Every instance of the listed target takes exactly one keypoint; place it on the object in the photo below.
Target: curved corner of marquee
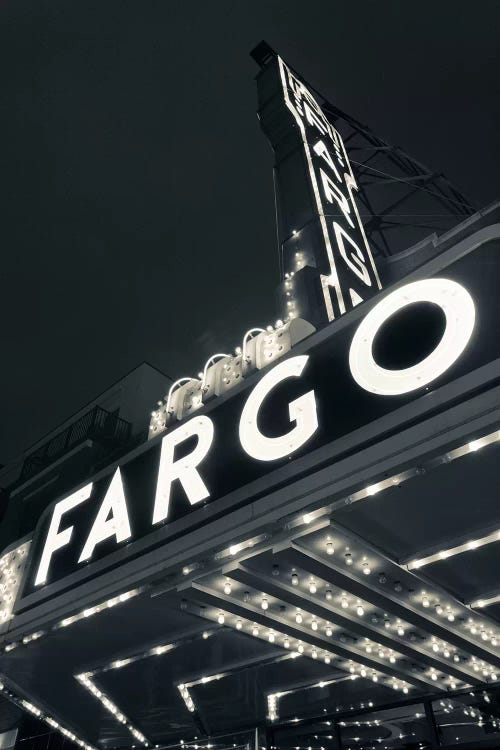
(458, 307)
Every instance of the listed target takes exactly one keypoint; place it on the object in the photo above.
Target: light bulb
(484, 635)
(392, 659)
(271, 637)
(435, 648)
(434, 676)
(239, 624)
(298, 617)
(300, 648)
(401, 631)
(312, 587)
(227, 588)
(446, 653)
(451, 617)
(360, 611)
(314, 624)
(314, 654)
(286, 643)
(295, 579)
(255, 630)
(494, 641)
(327, 660)
(456, 658)
(348, 558)
(328, 631)
(439, 609)
(328, 594)
(493, 676)
(344, 603)
(366, 569)
(425, 601)
(264, 603)
(363, 672)
(221, 618)
(329, 548)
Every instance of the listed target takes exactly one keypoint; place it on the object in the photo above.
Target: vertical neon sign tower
(326, 263)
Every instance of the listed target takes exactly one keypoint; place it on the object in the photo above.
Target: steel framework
(402, 200)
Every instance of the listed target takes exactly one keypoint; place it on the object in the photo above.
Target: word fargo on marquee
(294, 406)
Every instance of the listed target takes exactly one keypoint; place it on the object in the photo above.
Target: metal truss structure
(402, 200)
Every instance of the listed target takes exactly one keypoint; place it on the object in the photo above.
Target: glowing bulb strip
(480, 603)
(431, 602)
(299, 648)
(235, 549)
(273, 698)
(12, 565)
(444, 554)
(90, 611)
(85, 679)
(40, 714)
(397, 629)
(186, 697)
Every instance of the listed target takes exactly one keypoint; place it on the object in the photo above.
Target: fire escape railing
(97, 424)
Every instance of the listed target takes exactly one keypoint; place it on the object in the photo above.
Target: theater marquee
(325, 388)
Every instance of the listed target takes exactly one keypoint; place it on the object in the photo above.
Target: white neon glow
(332, 193)
(306, 106)
(111, 520)
(354, 258)
(302, 411)
(457, 550)
(458, 307)
(57, 539)
(285, 73)
(184, 469)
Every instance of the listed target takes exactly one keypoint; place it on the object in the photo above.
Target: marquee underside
(389, 635)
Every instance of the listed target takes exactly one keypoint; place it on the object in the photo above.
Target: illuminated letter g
(302, 411)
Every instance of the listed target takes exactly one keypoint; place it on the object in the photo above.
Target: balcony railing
(97, 424)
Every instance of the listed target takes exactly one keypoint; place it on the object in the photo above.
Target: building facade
(297, 548)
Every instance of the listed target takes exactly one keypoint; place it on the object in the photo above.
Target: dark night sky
(137, 212)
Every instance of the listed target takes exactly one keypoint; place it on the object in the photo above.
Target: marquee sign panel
(312, 397)
(320, 225)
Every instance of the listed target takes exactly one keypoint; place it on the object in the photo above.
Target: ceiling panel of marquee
(348, 613)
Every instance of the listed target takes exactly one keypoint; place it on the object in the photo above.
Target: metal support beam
(345, 620)
(332, 572)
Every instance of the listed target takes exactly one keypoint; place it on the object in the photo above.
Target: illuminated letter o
(458, 307)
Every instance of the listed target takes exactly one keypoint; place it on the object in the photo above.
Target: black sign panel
(342, 406)
(320, 227)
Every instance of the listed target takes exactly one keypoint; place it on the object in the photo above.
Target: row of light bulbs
(299, 649)
(47, 718)
(186, 696)
(428, 601)
(83, 614)
(12, 566)
(400, 627)
(85, 679)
